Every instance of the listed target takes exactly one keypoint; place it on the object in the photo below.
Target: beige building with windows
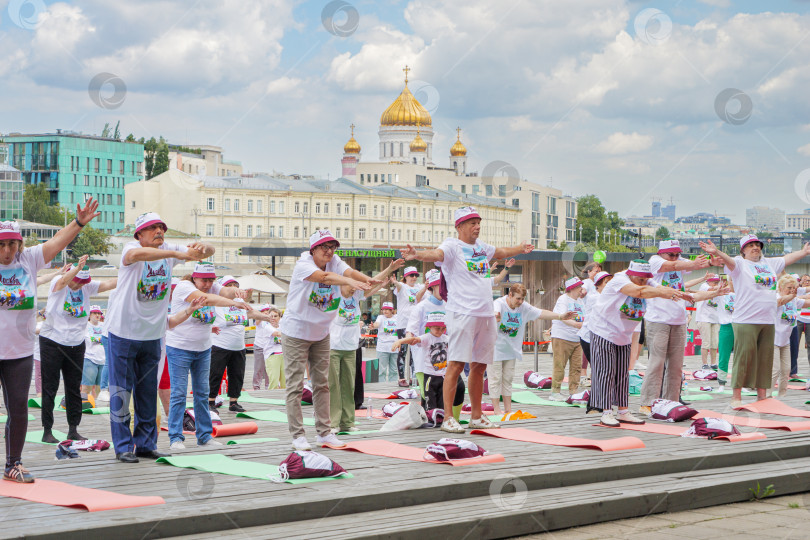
(798, 221)
(407, 160)
(206, 160)
(262, 211)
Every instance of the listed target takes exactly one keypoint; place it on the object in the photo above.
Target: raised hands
(408, 252)
(87, 213)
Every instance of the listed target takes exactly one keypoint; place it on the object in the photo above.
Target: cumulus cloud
(625, 143)
(804, 150)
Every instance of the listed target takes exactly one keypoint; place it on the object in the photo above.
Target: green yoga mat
(492, 418)
(36, 402)
(522, 386)
(218, 463)
(253, 441)
(703, 396)
(272, 416)
(361, 432)
(796, 379)
(530, 398)
(4, 418)
(36, 436)
(97, 410)
(247, 398)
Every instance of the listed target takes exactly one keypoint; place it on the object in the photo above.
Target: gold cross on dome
(458, 133)
(352, 126)
(406, 70)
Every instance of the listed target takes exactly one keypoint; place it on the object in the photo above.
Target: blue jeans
(388, 366)
(181, 363)
(105, 372)
(91, 373)
(132, 366)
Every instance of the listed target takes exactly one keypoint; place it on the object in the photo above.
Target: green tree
(150, 148)
(592, 216)
(130, 138)
(161, 164)
(37, 206)
(90, 242)
(117, 133)
(662, 233)
(106, 131)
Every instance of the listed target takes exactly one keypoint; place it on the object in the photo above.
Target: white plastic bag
(410, 417)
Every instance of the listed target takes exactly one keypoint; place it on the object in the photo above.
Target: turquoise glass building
(74, 167)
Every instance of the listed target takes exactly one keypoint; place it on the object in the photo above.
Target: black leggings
(358, 378)
(402, 355)
(15, 376)
(434, 393)
(67, 360)
(235, 362)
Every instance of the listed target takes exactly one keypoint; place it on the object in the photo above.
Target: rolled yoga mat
(62, 494)
(240, 428)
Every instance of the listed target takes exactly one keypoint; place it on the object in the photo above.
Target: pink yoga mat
(379, 447)
(774, 406)
(802, 425)
(62, 494)
(663, 429)
(528, 435)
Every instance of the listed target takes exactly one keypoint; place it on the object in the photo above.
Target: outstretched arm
(409, 253)
(70, 274)
(672, 266)
(791, 258)
(505, 252)
(713, 250)
(60, 241)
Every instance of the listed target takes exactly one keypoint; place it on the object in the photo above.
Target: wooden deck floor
(537, 488)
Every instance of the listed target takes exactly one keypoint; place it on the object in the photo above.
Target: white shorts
(470, 339)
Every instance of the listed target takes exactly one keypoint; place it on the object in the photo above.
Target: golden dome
(458, 149)
(352, 147)
(406, 110)
(418, 144)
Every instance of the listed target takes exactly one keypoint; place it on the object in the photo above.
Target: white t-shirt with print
(386, 332)
(94, 350)
(754, 283)
(406, 301)
(664, 310)
(67, 312)
(311, 306)
(512, 329)
(725, 308)
(193, 334)
(18, 303)
(708, 311)
(417, 321)
(466, 271)
(559, 329)
(344, 334)
(139, 310)
(231, 322)
(616, 316)
(272, 344)
(785, 320)
(434, 351)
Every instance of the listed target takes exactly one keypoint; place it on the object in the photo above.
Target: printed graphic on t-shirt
(576, 307)
(633, 308)
(476, 260)
(155, 281)
(74, 303)
(510, 323)
(438, 355)
(236, 316)
(95, 333)
(763, 276)
(711, 303)
(276, 340)
(323, 298)
(348, 312)
(730, 304)
(206, 315)
(673, 280)
(789, 313)
(15, 289)
(389, 326)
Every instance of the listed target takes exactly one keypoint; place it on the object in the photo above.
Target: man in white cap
(137, 326)
(471, 325)
(405, 292)
(312, 304)
(665, 322)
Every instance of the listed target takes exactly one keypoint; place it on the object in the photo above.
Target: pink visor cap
(463, 214)
(10, 230)
(147, 220)
(204, 270)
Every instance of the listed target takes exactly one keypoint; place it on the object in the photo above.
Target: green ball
(599, 257)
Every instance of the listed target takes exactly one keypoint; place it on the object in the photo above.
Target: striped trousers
(609, 378)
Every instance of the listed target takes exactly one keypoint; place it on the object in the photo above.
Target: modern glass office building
(11, 193)
(74, 167)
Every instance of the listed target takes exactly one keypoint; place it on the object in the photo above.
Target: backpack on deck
(711, 428)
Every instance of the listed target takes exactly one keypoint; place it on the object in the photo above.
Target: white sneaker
(104, 395)
(209, 442)
(177, 445)
(329, 440)
(556, 396)
(451, 425)
(721, 388)
(628, 418)
(483, 423)
(608, 419)
(301, 443)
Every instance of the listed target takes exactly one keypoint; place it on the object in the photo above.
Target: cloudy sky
(702, 101)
